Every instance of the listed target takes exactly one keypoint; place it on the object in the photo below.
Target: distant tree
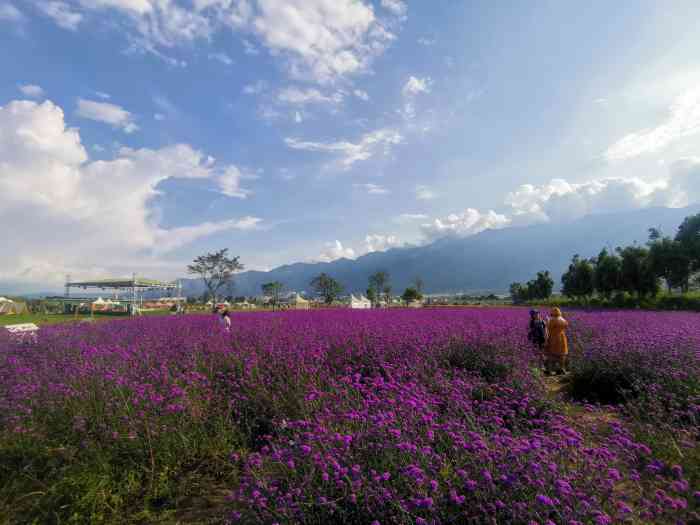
(637, 276)
(607, 277)
(541, 287)
(273, 291)
(578, 280)
(689, 238)
(670, 261)
(216, 269)
(380, 282)
(518, 293)
(371, 295)
(327, 287)
(410, 295)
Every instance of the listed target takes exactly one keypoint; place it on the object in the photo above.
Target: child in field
(537, 330)
(557, 346)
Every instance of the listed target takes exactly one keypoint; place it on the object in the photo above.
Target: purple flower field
(430, 416)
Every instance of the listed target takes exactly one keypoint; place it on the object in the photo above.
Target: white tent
(360, 304)
(297, 302)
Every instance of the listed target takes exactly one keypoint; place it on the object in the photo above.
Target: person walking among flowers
(556, 348)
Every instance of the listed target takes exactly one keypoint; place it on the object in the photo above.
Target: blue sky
(136, 134)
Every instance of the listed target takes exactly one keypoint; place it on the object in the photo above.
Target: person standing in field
(556, 348)
(225, 318)
(537, 330)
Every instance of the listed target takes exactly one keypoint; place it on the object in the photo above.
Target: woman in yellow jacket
(556, 349)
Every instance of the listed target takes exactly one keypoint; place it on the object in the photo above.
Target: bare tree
(216, 270)
(273, 290)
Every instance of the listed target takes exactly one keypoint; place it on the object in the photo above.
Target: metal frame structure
(135, 286)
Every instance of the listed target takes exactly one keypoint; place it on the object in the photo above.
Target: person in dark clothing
(537, 330)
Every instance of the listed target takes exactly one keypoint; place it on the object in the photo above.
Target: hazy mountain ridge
(488, 261)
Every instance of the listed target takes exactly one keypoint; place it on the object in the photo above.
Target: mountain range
(486, 262)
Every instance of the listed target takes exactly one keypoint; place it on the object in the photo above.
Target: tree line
(329, 289)
(638, 270)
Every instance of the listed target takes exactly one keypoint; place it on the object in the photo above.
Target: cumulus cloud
(424, 193)
(683, 120)
(468, 222)
(111, 114)
(99, 212)
(378, 141)
(335, 250)
(61, 13)
(300, 97)
(380, 243)
(560, 200)
(321, 40)
(10, 13)
(373, 189)
(32, 90)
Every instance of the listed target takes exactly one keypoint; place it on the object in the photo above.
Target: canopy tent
(9, 307)
(134, 287)
(297, 302)
(359, 304)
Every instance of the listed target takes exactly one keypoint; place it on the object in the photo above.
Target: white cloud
(255, 88)
(425, 41)
(221, 57)
(361, 94)
(380, 243)
(10, 13)
(137, 6)
(169, 240)
(468, 222)
(158, 116)
(230, 182)
(406, 218)
(412, 88)
(111, 114)
(683, 120)
(398, 7)
(32, 90)
(424, 193)
(296, 96)
(415, 85)
(62, 14)
(298, 118)
(99, 211)
(371, 143)
(103, 95)
(560, 200)
(335, 250)
(373, 189)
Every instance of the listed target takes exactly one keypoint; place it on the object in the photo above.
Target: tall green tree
(518, 293)
(670, 261)
(578, 281)
(216, 270)
(607, 278)
(380, 282)
(636, 275)
(273, 291)
(542, 286)
(327, 287)
(410, 295)
(688, 236)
